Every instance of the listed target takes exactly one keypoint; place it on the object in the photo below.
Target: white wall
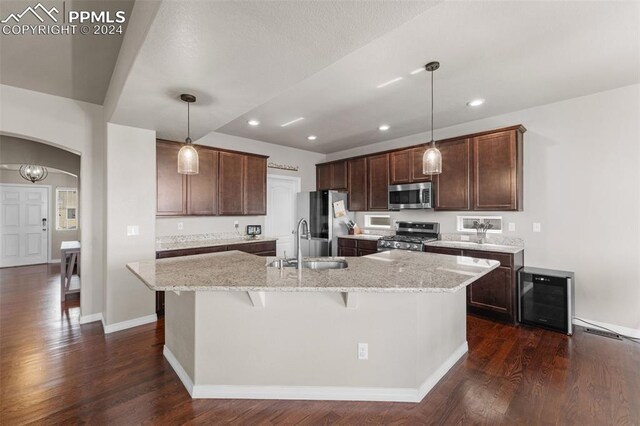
(305, 160)
(77, 127)
(582, 183)
(130, 200)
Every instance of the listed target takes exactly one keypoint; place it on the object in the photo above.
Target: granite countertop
(470, 245)
(367, 237)
(181, 245)
(393, 271)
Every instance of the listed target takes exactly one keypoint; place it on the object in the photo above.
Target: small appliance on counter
(410, 236)
(546, 298)
(254, 230)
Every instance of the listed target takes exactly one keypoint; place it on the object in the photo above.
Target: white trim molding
(603, 326)
(85, 319)
(326, 393)
(111, 328)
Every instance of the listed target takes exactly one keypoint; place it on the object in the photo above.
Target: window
(465, 223)
(377, 221)
(66, 209)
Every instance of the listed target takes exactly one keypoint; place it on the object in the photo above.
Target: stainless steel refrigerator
(318, 208)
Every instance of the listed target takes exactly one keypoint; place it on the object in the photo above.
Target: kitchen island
(238, 328)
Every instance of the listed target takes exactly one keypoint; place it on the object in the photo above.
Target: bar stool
(69, 259)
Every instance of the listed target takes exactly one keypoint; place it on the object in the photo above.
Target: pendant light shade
(432, 158)
(188, 162)
(33, 173)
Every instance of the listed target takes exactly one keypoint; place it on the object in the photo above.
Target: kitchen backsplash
(199, 237)
(490, 239)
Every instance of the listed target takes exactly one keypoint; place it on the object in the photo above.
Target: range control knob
(396, 245)
(414, 247)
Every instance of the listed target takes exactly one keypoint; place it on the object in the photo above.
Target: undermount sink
(310, 264)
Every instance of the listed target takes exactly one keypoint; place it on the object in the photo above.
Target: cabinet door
(364, 252)
(400, 166)
(357, 184)
(495, 171)
(453, 190)
(378, 182)
(323, 176)
(347, 251)
(202, 188)
(171, 187)
(339, 175)
(255, 185)
(230, 185)
(416, 163)
(492, 292)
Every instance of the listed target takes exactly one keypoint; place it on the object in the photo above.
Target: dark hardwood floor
(52, 371)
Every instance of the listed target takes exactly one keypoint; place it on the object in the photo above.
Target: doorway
(24, 225)
(281, 211)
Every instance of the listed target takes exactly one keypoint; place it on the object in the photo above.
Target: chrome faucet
(304, 222)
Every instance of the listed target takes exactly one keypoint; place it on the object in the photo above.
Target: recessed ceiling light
(312, 137)
(253, 122)
(389, 82)
(475, 102)
(384, 127)
(291, 122)
(416, 71)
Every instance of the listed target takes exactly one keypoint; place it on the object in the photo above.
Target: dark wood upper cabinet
(497, 171)
(230, 184)
(255, 185)
(416, 171)
(378, 182)
(400, 166)
(331, 176)
(357, 184)
(453, 184)
(323, 177)
(171, 187)
(202, 198)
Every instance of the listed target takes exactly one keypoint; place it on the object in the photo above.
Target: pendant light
(432, 158)
(33, 173)
(188, 163)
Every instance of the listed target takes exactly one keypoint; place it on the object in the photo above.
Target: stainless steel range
(410, 236)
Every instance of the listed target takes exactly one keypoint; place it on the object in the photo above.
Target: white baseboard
(85, 319)
(599, 325)
(177, 367)
(326, 393)
(111, 328)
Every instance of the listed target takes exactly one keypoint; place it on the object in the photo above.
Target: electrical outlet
(180, 226)
(133, 230)
(537, 227)
(363, 351)
(464, 238)
(512, 227)
(236, 224)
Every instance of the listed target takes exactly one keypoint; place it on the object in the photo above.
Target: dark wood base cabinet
(354, 248)
(494, 295)
(259, 248)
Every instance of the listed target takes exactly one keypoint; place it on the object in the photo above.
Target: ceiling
(77, 67)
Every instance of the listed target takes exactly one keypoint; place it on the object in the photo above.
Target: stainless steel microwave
(411, 196)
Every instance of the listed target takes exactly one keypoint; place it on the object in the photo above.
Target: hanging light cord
(433, 142)
(189, 122)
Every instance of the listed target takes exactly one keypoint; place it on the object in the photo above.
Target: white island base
(304, 345)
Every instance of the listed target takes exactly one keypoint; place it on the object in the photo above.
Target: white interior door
(24, 222)
(281, 211)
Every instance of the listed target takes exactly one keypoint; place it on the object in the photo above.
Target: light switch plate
(180, 226)
(363, 351)
(512, 227)
(133, 230)
(537, 227)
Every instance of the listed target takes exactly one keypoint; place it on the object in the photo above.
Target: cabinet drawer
(347, 251)
(347, 242)
(265, 246)
(443, 250)
(189, 252)
(505, 259)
